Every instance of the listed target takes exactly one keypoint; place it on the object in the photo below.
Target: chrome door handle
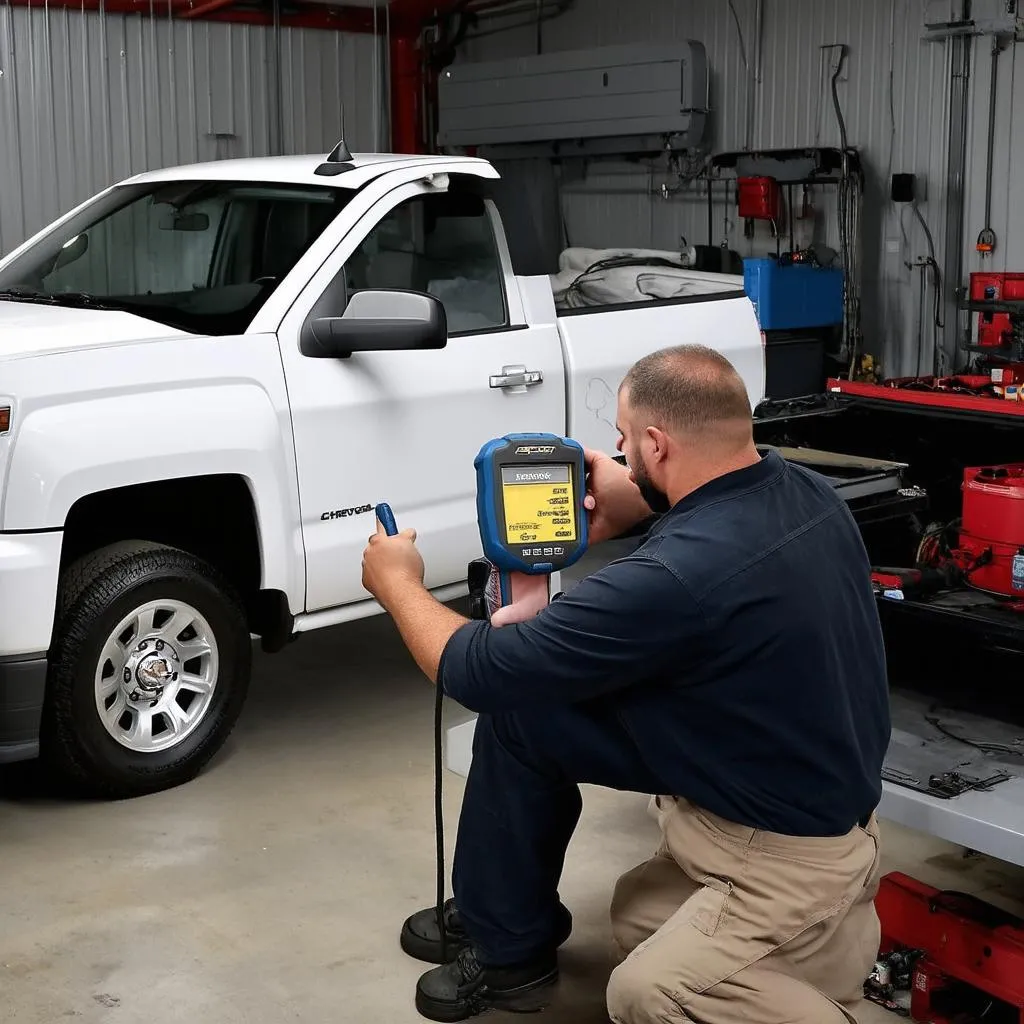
(517, 378)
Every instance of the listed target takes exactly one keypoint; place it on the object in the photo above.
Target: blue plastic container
(788, 298)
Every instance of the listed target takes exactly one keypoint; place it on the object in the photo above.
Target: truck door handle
(516, 378)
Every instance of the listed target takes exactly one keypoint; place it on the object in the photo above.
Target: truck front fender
(72, 448)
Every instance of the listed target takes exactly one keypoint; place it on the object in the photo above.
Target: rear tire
(148, 670)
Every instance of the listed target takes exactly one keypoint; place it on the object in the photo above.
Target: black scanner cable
(386, 518)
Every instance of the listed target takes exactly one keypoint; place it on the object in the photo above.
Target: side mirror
(378, 321)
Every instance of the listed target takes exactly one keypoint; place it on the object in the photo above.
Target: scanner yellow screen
(539, 504)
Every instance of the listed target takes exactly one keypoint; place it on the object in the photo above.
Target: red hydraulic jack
(966, 949)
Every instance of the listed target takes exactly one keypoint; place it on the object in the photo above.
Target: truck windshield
(198, 256)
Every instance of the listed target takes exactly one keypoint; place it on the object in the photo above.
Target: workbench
(987, 821)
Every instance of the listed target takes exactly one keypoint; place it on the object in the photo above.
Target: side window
(443, 245)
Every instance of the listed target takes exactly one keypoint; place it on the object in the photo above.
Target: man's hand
(393, 572)
(391, 564)
(613, 501)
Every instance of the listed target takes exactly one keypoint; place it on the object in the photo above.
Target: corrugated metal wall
(1008, 174)
(88, 99)
(894, 92)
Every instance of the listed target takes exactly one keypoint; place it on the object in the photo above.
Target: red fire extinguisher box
(758, 198)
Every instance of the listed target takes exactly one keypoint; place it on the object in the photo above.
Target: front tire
(148, 670)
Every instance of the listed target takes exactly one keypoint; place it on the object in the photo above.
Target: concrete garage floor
(273, 887)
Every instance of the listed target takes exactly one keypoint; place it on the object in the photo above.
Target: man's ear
(659, 441)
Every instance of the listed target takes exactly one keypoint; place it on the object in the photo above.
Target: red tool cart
(963, 959)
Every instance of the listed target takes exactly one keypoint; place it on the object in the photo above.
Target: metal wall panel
(1007, 161)
(89, 99)
(894, 92)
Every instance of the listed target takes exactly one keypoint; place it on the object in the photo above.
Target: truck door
(404, 427)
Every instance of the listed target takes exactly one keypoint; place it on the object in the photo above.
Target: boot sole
(532, 998)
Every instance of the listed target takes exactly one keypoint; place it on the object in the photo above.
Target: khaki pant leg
(844, 948)
(645, 898)
(649, 894)
(769, 915)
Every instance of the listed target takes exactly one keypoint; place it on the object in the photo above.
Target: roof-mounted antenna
(340, 154)
(340, 158)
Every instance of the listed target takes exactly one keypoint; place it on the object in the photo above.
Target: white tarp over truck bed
(612, 277)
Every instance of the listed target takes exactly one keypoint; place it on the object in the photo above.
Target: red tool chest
(994, 328)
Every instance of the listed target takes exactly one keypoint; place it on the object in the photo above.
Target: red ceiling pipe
(207, 8)
(410, 82)
(407, 81)
(342, 19)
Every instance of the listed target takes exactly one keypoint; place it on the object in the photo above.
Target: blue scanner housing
(531, 456)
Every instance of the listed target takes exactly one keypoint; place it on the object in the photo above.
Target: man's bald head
(690, 392)
(685, 418)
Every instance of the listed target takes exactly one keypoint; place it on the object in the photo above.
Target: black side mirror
(378, 320)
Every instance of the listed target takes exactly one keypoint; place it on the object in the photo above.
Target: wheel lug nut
(159, 645)
(127, 675)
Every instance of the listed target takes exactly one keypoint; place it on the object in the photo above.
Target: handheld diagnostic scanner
(530, 492)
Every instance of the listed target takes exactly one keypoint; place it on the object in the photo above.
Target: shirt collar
(730, 485)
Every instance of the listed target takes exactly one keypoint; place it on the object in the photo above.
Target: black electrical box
(795, 361)
(903, 188)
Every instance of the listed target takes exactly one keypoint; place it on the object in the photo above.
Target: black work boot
(421, 937)
(465, 988)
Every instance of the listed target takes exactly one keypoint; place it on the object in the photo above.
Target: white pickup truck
(210, 375)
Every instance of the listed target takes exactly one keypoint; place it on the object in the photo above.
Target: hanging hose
(848, 203)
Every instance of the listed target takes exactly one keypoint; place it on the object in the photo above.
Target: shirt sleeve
(618, 628)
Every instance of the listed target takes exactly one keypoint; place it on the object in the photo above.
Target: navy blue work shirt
(740, 644)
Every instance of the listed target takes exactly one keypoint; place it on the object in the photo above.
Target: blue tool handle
(387, 519)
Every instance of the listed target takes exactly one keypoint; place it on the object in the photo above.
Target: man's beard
(657, 501)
